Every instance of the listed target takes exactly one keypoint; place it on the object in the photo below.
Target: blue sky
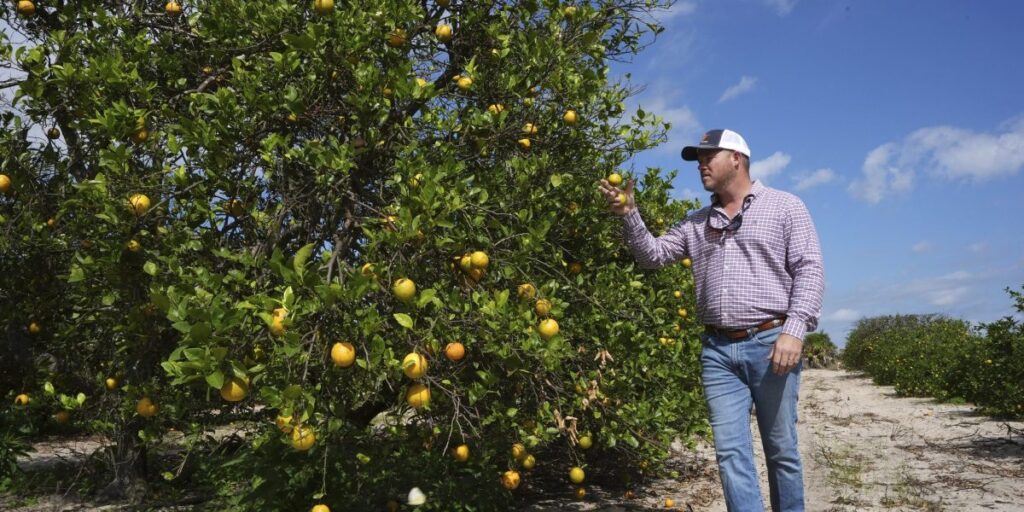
(899, 123)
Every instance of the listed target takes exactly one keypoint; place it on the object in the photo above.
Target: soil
(863, 448)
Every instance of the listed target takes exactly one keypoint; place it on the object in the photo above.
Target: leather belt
(737, 334)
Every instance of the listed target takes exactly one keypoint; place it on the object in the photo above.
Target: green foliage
(819, 351)
(281, 151)
(927, 355)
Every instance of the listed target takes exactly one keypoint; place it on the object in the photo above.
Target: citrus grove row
(329, 254)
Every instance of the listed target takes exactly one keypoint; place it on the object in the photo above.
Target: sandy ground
(864, 449)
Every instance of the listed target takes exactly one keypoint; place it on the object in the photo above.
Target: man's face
(716, 168)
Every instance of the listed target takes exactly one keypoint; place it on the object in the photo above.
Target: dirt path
(864, 449)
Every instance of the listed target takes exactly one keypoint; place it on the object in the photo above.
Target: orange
(510, 480)
(461, 453)
(5, 183)
(22, 399)
(62, 416)
(146, 408)
(543, 307)
(526, 291)
(343, 354)
(172, 8)
(576, 475)
(323, 8)
(570, 117)
(404, 289)
(321, 507)
(234, 389)
(615, 179)
(414, 365)
(139, 203)
(519, 452)
(455, 351)
(418, 396)
(303, 438)
(548, 328)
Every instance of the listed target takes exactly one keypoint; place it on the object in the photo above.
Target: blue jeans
(737, 373)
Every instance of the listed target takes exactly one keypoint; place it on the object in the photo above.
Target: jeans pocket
(767, 337)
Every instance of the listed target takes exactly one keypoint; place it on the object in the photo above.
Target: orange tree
(366, 234)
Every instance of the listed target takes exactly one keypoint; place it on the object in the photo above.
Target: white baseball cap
(717, 139)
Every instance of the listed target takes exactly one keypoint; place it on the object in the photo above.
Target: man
(759, 279)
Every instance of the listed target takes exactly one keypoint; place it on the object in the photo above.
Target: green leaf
(299, 263)
(149, 268)
(556, 180)
(404, 319)
(215, 379)
(77, 274)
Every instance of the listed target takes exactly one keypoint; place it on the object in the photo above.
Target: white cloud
(922, 246)
(945, 152)
(680, 8)
(881, 177)
(782, 7)
(746, 84)
(764, 169)
(686, 128)
(813, 179)
(978, 248)
(844, 315)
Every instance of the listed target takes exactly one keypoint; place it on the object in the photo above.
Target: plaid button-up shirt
(763, 266)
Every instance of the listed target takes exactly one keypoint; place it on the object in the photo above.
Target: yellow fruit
(464, 83)
(687, 263)
(139, 203)
(443, 33)
(22, 399)
(367, 269)
(543, 307)
(140, 135)
(404, 289)
(548, 328)
(62, 416)
(26, 7)
(455, 351)
(303, 438)
(510, 480)
(321, 507)
(343, 354)
(569, 11)
(5, 183)
(397, 38)
(461, 453)
(34, 328)
(146, 408)
(519, 452)
(570, 117)
(414, 365)
(172, 8)
(284, 423)
(111, 383)
(524, 144)
(529, 129)
(479, 259)
(466, 262)
(234, 389)
(615, 179)
(529, 462)
(421, 83)
(526, 291)
(418, 396)
(681, 312)
(669, 503)
(677, 294)
(277, 327)
(280, 313)
(586, 442)
(53, 133)
(622, 199)
(51, 223)
(575, 267)
(495, 108)
(235, 208)
(443, 3)
(323, 8)
(576, 475)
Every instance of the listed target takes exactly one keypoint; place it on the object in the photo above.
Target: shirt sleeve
(651, 252)
(805, 264)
